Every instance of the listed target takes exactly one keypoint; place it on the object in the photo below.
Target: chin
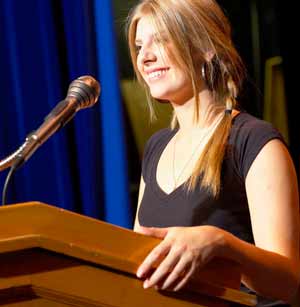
(160, 96)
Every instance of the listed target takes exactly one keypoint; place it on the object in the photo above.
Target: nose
(147, 55)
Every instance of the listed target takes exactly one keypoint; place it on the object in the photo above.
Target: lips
(157, 73)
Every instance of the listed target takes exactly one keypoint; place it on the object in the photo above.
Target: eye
(138, 48)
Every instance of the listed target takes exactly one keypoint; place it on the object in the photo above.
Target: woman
(219, 182)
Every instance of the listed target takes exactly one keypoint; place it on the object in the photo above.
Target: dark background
(261, 29)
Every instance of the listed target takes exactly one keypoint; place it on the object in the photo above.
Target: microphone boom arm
(83, 92)
(53, 122)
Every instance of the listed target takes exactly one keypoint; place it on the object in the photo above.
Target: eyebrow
(155, 35)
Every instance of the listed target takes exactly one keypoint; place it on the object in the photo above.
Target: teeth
(157, 74)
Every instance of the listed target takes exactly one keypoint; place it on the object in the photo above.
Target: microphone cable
(7, 180)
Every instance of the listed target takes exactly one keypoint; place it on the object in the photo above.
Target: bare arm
(141, 194)
(271, 266)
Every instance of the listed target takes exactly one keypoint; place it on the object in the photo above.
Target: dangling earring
(229, 106)
(230, 100)
(203, 73)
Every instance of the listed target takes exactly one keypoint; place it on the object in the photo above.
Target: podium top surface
(38, 225)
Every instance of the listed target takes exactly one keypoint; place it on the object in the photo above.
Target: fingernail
(146, 284)
(139, 273)
(176, 289)
(163, 287)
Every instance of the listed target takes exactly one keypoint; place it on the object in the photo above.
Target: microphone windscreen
(86, 90)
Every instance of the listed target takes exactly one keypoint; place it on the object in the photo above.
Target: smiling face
(166, 81)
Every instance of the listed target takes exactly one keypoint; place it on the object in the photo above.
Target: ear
(209, 55)
(204, 58)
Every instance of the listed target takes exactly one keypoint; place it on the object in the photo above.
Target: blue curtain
(44, 45)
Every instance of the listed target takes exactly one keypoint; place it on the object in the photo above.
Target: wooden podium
(54, 257)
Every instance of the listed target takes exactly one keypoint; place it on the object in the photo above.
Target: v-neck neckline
(154, 183)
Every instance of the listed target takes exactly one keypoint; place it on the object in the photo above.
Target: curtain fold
(32, 72)
(44, 45)
(117, 208)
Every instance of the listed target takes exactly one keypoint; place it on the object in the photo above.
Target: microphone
(82, 93)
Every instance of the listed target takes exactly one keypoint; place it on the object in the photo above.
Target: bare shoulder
(274, 157)
(272, 192)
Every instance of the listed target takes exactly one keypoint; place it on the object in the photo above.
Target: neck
(185, 113)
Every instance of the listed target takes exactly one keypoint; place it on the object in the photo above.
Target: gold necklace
(188, 160)
(206, 133)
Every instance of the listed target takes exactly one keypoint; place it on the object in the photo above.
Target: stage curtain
(44, 45)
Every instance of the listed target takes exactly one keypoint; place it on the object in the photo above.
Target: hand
(183, 251)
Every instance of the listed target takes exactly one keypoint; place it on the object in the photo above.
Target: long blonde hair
(196, 28)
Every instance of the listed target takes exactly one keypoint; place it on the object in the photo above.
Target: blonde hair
(197, 28)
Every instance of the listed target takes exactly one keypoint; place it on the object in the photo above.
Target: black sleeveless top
(230, 210)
